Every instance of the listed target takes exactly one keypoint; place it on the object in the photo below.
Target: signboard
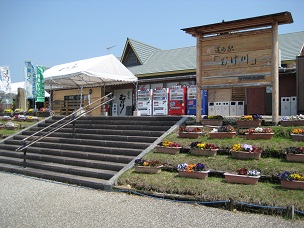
(237, 59)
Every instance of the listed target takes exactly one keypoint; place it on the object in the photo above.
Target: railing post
(24, 154)
(73, 125)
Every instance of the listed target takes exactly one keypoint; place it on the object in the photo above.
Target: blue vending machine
(191, 101)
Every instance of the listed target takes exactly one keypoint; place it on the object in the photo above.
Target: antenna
(108, 48)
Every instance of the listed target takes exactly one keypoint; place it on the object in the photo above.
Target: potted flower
(192, 170)
(213, 120)
(146, 166)
(18, 111)
(8, 112)
(243, 176)
(11, 126)
(297, 134)
(259, 133)
(245, 151)
(223, 132)
(189, 132)
(168, 147)
(20, 117)
(297, 120)
(43, 112)
(203, 149)
(6, 118)
(295, 154)
(249, 121)
(291, 180)
(32, 118)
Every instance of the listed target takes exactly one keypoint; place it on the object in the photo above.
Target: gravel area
(31, 202)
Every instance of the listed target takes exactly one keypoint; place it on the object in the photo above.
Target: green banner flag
(40, 84)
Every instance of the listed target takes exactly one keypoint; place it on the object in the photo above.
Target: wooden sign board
(237, 60)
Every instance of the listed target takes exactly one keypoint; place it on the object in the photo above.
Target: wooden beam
(198, 80)
(242, 24)
(275, 74)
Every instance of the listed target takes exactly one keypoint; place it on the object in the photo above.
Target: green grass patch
(215, 188)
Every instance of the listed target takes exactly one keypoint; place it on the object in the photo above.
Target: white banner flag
(6, 83)
(30, 80)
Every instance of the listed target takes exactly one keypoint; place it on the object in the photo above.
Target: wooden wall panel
(255, 100)
(219, 95)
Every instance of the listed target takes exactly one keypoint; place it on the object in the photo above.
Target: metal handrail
(74, 117)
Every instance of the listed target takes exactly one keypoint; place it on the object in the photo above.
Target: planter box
(241, 179)
(32, 120)
(212, 122)
(168, 150)
(148, 169)
(244, 155)
(221, 135)
(254, 136)
(192, 135)
(248, 123)
(198, 175)
(43, 114)
(292, 123)
(11, 128)
(292, 184)
(297, 137)
(295, 157)
(206, 153)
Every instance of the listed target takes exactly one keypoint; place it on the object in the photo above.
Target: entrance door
(255, 100)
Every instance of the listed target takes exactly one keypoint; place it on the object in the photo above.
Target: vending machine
(191, 101)
(160, 102)
(177, 100)
(144, 102)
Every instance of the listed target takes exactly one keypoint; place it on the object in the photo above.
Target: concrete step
(98, 137)
(55, 176)
(70, 153)
(89, 163)
(106, 143)
(63, 168)
(106, 131)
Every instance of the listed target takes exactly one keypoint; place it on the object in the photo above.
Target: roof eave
(242, 24)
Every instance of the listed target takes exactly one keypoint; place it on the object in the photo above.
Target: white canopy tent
(16, 85)
(99, 71)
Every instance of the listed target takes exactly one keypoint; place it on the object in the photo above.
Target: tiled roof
(143, 51)
(183, 59)
(291, 45)
(168, 60)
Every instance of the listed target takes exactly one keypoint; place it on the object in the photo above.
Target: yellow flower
(146, 163)
(201, 145)
(237, 147)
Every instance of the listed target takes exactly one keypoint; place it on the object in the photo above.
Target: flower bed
(245, 152)
(291, 180)
(144, 166)
(249, 121)
(192, 170)
(295, 154)
(189, 132)
(259, 133)
(243, 176)
(203, 149)
(297, 120)
(168, 147)
(223, 132)
(297, 134)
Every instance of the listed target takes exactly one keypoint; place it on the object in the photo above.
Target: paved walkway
(30, 202)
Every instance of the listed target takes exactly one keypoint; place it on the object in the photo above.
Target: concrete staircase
(102, 148)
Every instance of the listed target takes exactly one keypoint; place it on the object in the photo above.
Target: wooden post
(275, 74)
(198, 79)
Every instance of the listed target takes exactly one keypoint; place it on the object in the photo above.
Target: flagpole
(25, 78)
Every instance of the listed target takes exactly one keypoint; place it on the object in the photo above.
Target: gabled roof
(291, 45)
(142, 51)
(180, 59)
(184, 59)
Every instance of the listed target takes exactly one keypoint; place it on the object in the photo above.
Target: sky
(52, 32)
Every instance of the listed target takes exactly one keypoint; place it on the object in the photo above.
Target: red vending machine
(177, 100)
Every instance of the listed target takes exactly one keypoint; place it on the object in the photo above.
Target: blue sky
(51, 32)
